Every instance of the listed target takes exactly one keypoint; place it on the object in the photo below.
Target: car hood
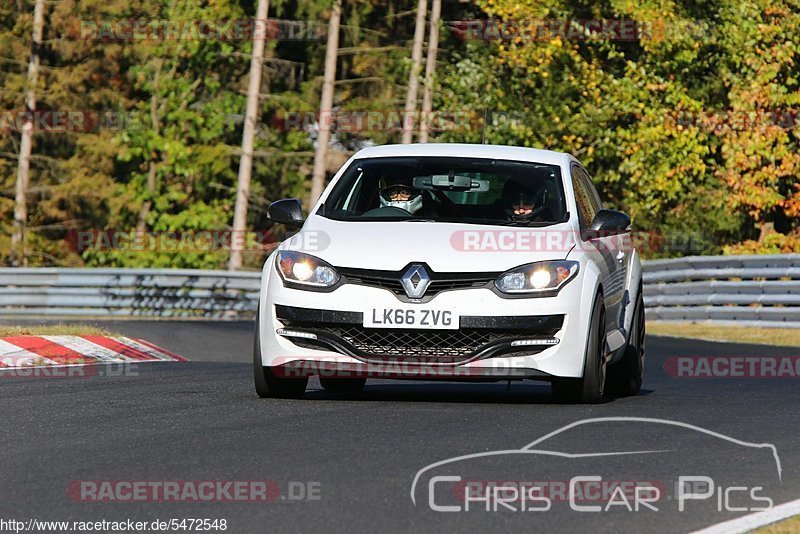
(444, 247)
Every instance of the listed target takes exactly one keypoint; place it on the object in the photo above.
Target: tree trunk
(765, 229)
(19, 255)
(144, 210)
(430, 71)
(413, 77)
(248, 135)
(326, 104)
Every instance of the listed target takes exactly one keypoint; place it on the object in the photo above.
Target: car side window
(594, 196)
(586, 201)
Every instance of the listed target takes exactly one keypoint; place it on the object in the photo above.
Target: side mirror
(286, 211)
(607, 223)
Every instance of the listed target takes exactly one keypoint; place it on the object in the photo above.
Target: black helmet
(516, 194)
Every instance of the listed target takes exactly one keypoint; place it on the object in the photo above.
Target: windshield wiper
(496, 222)
(533, 224)
(463, 220)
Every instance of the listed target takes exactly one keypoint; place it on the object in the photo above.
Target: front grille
(390, 280)
(440, 346)
(436, 345)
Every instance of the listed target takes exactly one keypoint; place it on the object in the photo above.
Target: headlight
(540, 277)
(304, 269)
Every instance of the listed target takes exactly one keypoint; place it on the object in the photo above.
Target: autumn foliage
(686, 114)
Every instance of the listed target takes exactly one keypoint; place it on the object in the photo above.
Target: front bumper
(477, 338)
(322, 333)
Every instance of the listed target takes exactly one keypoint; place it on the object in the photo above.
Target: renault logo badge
(415, 281)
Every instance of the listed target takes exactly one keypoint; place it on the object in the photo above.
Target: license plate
(422, 318)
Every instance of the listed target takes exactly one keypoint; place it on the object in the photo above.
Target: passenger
(522, 204)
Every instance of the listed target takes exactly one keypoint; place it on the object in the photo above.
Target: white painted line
(14, 356)
(752, 521)
(87, 348)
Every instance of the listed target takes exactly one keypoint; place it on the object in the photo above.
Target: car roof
(514, 153)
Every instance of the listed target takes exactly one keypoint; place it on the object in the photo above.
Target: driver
(521, 203)
(401, 195)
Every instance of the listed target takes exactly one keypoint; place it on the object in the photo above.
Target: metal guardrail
(744, 290)
(128, 292)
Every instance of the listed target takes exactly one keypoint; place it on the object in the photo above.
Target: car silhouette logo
(539, 447)
(415, 281)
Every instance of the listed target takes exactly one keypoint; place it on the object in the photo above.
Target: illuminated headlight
(304, 269)
(543, 276)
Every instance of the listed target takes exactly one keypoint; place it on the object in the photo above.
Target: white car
(453, 262)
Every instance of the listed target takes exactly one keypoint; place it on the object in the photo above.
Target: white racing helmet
(411, 198)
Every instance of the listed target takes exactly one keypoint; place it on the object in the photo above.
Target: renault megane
(453, 262)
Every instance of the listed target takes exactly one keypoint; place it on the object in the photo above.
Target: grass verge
(787, 526)
(55, 330)
(784, 337)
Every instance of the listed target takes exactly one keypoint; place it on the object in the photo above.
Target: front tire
(625, 377)
(268, 384)
(588, 389)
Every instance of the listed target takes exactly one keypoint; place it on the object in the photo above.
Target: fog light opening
(294, 333)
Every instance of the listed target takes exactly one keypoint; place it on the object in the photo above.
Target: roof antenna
(483, 133)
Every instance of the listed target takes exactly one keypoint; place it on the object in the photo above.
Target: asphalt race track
(347, 464)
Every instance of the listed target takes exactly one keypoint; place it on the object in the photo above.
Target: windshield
(441, 189)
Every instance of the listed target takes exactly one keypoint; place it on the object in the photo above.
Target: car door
(603, 250)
